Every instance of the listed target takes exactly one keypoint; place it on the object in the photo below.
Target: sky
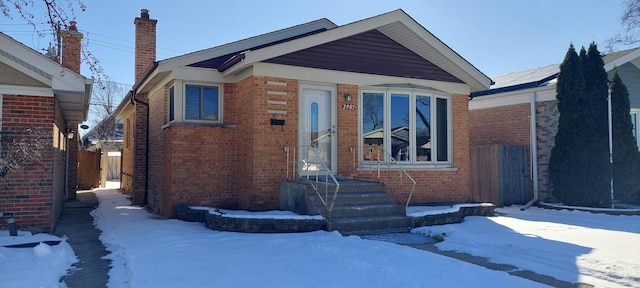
(571, 246)
(496, 36)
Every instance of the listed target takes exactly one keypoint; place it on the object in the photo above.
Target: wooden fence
(113, 172)
(500, 174)
(88, 169)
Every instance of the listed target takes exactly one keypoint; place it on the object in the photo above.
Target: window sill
(198, 124)
(408, 167)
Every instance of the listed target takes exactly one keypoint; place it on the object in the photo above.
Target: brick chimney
(71, 47)
(145, 42)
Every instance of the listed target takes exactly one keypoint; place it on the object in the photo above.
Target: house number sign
(348, 106)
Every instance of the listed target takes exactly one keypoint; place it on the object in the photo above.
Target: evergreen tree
(626, 157)
(579, 165)
(561, 164)
(597, 128)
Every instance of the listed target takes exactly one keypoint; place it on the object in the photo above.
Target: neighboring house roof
(41, 76)
(115, 135)
(547, 75)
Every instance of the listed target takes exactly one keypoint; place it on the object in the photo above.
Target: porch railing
(378, 157)
(316, 169)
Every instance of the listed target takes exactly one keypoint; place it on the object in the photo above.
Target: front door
(317, 137)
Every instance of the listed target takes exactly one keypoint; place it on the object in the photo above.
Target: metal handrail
(377, 160)
(318, 160)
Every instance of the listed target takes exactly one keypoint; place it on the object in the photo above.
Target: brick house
(220, 126)
(37, 93)
(522, 106)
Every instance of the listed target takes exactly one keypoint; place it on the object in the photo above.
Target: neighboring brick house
(37, 93)
(521, 106)
(216, 126)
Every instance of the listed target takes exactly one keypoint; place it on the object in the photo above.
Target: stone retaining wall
(218, 220)
(452, 217)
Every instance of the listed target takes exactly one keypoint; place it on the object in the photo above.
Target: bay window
(408, 127)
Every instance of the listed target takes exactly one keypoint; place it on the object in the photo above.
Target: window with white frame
(194, 103)
(410, 127)
(201, 102)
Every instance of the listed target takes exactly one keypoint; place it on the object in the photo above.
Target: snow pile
(39, 266)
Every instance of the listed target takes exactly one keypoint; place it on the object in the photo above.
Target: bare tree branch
(630, 20)
(22, 146)
(58, 15)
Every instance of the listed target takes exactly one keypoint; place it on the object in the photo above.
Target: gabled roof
(215, 56)
(71, 89)
(543, 76)
(393, 29)
(397, 26)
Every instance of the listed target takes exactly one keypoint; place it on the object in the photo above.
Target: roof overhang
(396, 25)
(72, 90)
(633, 58)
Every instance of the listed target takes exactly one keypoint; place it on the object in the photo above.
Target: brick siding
(547, 127)
(508, 125)
(432, 185)
(28, 192)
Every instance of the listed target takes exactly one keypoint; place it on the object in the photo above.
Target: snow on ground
(598, 249)
(147, 251)
(39, 266)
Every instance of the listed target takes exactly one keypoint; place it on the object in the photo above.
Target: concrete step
(346, 186)
(364, 210)
(371, 225)
(378, 197)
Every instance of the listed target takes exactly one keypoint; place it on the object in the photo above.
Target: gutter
(135, 101)
(534, 152)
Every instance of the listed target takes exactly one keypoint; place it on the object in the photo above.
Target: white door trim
(333, 118)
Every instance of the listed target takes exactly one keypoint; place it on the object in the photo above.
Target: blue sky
(496, 36)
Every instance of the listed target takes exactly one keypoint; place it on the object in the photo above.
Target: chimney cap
(144, 13)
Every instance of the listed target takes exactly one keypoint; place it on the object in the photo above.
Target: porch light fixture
(70, 133)
(347, 96)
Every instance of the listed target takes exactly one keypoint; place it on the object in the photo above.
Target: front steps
(360, 208)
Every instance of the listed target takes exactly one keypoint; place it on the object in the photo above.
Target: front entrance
(317, 136)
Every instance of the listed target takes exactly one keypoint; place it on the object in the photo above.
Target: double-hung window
(409, 127)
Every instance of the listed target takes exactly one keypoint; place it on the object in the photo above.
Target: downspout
(534, 151)
(66, 172)
(134, 100)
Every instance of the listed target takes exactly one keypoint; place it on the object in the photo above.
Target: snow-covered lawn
(151, 252)
(573, 246)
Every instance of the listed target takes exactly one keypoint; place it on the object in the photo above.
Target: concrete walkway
(77, 225)
(512, 270)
